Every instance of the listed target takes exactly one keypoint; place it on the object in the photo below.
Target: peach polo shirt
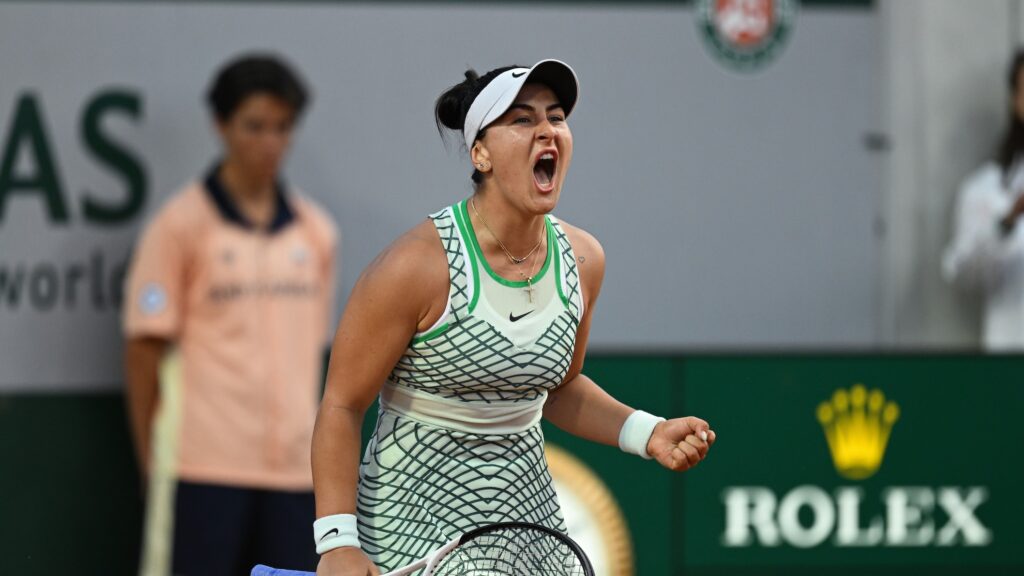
(249, 311)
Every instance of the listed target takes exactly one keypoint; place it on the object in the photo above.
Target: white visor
(501, 92)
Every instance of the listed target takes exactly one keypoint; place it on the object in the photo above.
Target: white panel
(736, 210)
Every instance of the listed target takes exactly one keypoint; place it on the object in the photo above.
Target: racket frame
(430, 561)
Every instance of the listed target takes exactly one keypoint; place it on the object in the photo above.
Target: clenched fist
(681, 443)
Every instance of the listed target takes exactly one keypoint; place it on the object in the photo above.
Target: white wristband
(636, 432)
(335, 531)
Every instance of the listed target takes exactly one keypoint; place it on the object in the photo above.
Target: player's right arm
(403, 291)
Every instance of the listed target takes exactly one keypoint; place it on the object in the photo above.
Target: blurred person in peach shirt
(236, 272)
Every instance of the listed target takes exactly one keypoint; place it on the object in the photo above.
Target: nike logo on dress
(514, 75)
(329, 532)
(513, 318)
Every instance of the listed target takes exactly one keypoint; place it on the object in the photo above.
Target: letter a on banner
(27, 130)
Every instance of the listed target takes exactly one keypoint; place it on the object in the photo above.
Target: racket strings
(512, 552)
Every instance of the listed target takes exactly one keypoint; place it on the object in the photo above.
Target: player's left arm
(582, 408)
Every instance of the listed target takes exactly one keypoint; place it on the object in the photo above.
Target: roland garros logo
(745, 34)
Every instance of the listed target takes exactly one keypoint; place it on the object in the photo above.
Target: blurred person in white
(986, 254)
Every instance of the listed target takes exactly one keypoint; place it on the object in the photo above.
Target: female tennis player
(476, 322)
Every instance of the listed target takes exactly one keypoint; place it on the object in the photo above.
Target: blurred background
(774, 195)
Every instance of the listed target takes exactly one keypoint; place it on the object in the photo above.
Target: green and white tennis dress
(458, 441)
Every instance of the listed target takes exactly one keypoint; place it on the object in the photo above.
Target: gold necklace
(529, 279)
(513, 259)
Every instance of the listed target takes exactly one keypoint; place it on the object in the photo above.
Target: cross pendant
(529, 290)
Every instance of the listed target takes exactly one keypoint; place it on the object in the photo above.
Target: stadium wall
(939, 495)
(797, 207)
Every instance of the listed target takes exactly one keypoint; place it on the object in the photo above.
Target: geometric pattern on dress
(472, 360)
(459, 279)
(571, 276)
(421, 485)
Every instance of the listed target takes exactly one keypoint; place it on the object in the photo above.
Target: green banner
(881, 465)
(854, 463)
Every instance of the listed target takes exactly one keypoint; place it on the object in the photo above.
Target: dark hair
(453, 104)
(1013, 141)
(253, 74)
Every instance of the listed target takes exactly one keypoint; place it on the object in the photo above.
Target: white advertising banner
(717, 193)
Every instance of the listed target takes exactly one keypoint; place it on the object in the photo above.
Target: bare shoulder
(589, 252)
(413, 267)
(589, 260)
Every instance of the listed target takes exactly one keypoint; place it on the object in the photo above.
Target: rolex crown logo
(857, 426)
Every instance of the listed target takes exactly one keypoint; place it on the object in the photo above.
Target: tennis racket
(504, 549)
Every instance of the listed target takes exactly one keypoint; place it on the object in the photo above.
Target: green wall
(69, 494)
(958, 430)
(70, 499)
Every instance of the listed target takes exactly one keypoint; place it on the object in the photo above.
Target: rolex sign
(855, 463)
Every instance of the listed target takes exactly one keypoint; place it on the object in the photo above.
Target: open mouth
(544, 170)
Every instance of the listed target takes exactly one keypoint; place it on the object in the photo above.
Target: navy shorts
(221, 530)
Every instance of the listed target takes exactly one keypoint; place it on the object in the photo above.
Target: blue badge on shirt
(153, 299)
